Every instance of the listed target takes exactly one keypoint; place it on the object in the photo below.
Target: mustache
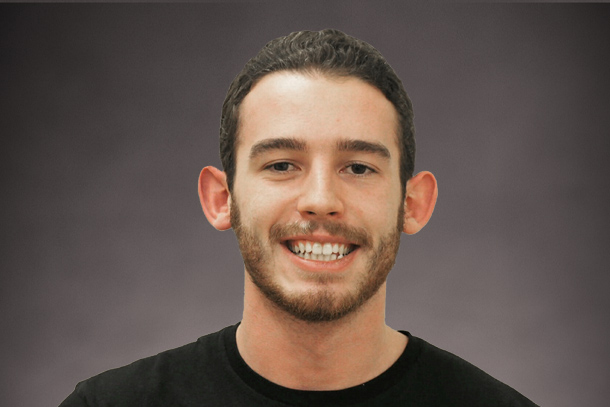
(355, 235)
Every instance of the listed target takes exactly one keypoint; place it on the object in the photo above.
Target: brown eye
(359, 169)
(281, 166)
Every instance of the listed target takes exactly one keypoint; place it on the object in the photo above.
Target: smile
(309, 250)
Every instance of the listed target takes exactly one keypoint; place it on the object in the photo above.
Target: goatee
(321, 304)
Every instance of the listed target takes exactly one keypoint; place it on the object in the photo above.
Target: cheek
(381, 196)
(383, 210)
(384, 214)
(259, 206)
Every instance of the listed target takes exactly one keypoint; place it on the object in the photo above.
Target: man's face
(316, 203)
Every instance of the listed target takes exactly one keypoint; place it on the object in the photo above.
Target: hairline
(314, 71)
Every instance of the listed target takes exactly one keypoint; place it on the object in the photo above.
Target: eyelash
(368, 170)
(270, 167)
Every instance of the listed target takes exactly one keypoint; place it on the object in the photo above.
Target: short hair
(330, 52)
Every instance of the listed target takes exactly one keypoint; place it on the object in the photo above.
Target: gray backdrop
(108, 113)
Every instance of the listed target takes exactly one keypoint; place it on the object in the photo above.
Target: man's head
(315, 182)
(329, 52)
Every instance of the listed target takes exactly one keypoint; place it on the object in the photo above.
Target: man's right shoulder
(151, 380)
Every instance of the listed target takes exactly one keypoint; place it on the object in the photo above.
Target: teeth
(319, 251)
(317, 248)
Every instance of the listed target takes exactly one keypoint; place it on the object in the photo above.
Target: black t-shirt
(211, 372)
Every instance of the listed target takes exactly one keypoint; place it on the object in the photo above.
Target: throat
(312, 363)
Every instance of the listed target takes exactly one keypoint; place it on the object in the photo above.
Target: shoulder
(457, 379)
(154, 377)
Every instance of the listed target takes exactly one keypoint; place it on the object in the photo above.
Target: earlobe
(215, 198)
(420, 200)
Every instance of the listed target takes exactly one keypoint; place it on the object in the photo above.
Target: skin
(325, 181)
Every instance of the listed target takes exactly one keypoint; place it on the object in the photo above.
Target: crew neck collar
(344, 397)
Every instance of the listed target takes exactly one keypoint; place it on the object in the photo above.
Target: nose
(320, 196)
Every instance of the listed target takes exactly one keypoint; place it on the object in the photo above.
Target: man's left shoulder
(455, 377)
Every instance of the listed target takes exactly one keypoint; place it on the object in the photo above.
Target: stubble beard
(321, 304)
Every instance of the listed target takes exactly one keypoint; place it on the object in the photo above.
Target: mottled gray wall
(108, 113)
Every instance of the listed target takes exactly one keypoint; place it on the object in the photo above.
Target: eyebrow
(277, 144)
(364, 146)
(286, 143)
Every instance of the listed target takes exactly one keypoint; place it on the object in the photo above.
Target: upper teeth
(319, 251)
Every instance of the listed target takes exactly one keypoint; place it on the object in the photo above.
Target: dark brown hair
(330, 52)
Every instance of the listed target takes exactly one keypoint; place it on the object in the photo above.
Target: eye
(359, 169)
(281, 166)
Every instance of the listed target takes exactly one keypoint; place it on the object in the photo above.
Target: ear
(420, 199)
(215, 198)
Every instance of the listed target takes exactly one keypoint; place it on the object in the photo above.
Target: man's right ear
(215, 198)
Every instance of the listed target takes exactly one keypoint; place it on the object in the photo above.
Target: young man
(317, 148)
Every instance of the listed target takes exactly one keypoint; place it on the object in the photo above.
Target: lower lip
(317, 266)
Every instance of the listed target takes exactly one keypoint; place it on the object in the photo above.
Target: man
(317, 147)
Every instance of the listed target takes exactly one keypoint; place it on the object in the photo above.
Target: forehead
(318, 109)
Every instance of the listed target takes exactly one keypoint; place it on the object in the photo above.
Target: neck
(317, 355)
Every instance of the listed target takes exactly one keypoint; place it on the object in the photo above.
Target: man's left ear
(420, 199)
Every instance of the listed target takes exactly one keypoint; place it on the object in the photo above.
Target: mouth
(327, 251)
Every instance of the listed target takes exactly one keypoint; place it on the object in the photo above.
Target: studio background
(109, 112)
